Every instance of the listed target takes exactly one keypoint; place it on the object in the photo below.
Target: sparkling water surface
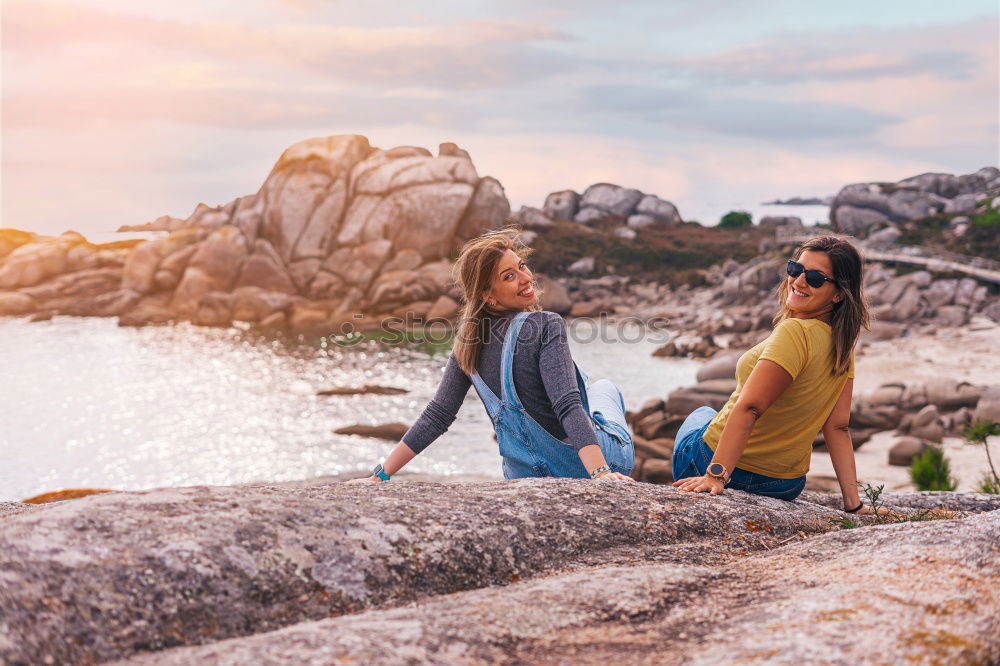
(88, 404)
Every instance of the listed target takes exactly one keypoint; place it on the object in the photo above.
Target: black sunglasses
(814, 279)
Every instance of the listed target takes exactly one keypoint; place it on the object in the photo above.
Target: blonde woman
(791, 386)
(547, 421)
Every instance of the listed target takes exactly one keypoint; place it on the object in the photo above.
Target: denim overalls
(527, 448)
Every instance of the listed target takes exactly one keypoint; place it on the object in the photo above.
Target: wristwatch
(717, 470)
(380, 473)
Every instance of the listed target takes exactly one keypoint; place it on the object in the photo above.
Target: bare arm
(395, 461)
(766, 382)
(837, 434)
(437, 416)
(593, 458)
(397, 458)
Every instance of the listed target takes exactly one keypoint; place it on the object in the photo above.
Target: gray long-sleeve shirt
(544, 377)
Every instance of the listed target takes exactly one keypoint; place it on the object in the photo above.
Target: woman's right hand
(367, 479)
(613, 476)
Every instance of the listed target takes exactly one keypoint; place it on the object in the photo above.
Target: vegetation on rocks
(668, 254)
(736, 219)
(931, 471)
(988, 485)
(981, 237)
(882, 512)
(976, 435)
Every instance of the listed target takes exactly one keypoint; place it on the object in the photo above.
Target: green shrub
(735, 220)
(989, 220)
(981, 238)
(930, 471)
(988, 485)
(977, 434)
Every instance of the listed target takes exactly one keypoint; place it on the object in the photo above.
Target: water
(709, 212)
(85, 403)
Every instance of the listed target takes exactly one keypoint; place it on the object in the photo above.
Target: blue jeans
(692, 457)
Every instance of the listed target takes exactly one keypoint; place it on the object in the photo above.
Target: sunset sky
(116, 112)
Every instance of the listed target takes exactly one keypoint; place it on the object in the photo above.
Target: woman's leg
(768, 486)
(605, 398)
(688, 444)
(607, 408)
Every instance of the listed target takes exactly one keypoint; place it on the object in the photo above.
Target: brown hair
(851, 312)
(474, 272)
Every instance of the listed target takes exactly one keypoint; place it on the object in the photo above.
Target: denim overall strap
(489, 398)
(508, 391)
(581, 383)
(508, 394)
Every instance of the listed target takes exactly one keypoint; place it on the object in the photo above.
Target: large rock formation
(337, 223)
(601, 201)
(539, 570)
(861, 207)
(748, 291)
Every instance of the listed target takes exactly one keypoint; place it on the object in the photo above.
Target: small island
(800, 201)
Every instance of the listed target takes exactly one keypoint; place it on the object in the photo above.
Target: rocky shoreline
(343, 237)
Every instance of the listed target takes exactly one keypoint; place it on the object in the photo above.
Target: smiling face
(805, 302)
(513, 287)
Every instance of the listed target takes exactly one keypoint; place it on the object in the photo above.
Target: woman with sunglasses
(791, 386)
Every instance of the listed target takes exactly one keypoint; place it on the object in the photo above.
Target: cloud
(119, 116)
(245, 109)
(849, 90)
(777, 120)
(944, 52)
(464, 54)
(766, 64)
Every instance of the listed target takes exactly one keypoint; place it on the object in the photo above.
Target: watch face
(716, 469)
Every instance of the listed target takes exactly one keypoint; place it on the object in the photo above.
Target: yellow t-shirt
(781, 441)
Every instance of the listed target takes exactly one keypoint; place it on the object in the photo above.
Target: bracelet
(600, 470)
(855, 509)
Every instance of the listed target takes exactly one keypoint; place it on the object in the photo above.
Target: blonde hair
(474, 272)
(852, 312)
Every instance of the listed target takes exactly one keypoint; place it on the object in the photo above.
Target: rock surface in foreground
(145, 571)
(899, 593)
(114, 575)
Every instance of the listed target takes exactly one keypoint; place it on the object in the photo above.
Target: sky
(116, 112)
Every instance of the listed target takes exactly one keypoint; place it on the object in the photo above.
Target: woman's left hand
(701, 484)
